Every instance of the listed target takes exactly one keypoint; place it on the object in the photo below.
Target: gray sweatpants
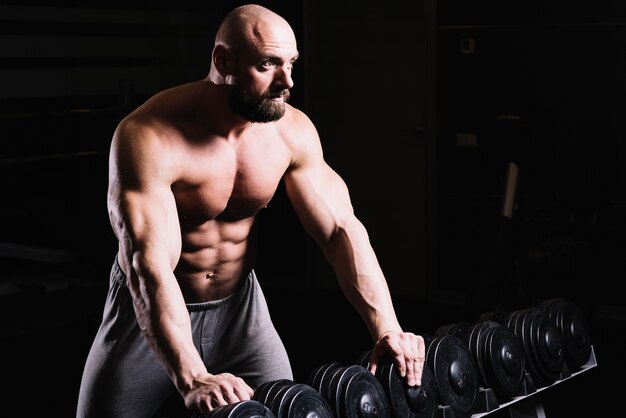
(123, 378)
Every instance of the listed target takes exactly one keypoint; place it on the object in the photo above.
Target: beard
(258, 109)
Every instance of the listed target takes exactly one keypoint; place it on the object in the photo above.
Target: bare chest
(229, 182)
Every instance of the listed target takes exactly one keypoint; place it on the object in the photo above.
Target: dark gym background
(421, 107)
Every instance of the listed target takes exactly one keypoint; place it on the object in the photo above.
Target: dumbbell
(288, 399)
(350, 390)
(499, 356)
(242, 409)
(570, 320)
(405, 401)
(458, 329)
(454, 371)
(542, 342)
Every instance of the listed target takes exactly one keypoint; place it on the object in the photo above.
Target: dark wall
(538, 84)
(366, 91)
(69, 73)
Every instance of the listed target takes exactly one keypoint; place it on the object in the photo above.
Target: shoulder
(137, 130)
(140, 156)
(300, 135)
(162, 109)
(296, 121)
(141, 143)
(155, 122)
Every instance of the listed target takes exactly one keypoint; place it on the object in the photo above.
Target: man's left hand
(407, 351)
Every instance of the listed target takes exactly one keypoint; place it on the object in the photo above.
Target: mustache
(280, 93)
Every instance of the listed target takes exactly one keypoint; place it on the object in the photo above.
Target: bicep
(149, 225)
(141, 204)
(318, 194)
(320, 198)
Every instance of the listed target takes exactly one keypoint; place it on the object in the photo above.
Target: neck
(217, 109)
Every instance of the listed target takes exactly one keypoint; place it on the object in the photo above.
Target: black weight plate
(406, 401)
(336, 388)
(459, 329)
(511, 323)
(364, 359)
(478, 354)
(483, 353)
(362, 395)
(455, 372)
(497, 316)
(547, 343)
(506, 362)
(511, 318)
(318, 375)
(299, 400)
(262, 393)
(383, 365)
(280, 400)
(471, 336)
(534, 333)
(329, 387)
(482, 350)
(242, 409)
(308, 403)
(472, 342)
(525, 329)
(576, 336)
(551, 306)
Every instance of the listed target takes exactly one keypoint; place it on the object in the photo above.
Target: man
(189, 171)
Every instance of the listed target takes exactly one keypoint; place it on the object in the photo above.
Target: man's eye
(268, 64)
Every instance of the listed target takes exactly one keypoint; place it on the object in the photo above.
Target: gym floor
(47, 326)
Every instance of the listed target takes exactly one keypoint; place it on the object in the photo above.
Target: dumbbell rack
(527, 405)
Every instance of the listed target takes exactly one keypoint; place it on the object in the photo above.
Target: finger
(208, 403)
(401, 363)
(414, 375)
(410, 371)
(376, 355)
(410, 364)
(419, 368)
(243, 391)
(373, 363)
(391, 346)
(409, 350)
(420, 358)
(414, 358)
(217, 400)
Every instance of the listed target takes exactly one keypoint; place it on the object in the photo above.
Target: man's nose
(283, 78)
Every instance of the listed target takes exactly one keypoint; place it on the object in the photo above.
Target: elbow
(344, 235)
(145, 263)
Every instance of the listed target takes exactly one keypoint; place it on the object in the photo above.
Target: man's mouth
(281, 96)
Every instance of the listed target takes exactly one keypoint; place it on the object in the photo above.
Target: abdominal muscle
(216, 256)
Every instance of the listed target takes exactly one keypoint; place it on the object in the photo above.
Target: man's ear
(223, 61)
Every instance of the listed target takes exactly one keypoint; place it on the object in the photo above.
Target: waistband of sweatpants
(118, 275)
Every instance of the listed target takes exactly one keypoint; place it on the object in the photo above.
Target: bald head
(254, 53)
(248, 30)
(250, 25)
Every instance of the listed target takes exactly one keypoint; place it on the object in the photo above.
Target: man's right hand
(212, 391)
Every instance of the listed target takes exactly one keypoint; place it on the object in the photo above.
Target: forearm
(164, 320)
(361, 279)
